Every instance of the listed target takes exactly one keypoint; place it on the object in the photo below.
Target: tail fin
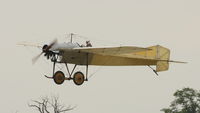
(162, 56)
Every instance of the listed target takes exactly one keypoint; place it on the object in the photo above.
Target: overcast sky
(171, 23)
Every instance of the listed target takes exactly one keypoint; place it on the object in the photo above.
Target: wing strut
(153, 70)
(86, 67)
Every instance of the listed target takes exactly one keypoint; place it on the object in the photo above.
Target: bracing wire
(91, 75)
(97, 70)
(95, 41)
(77, 36)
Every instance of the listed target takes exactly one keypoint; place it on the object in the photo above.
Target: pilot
(88, 44)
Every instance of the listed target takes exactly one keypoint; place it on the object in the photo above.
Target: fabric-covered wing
(106, 56)
(113, 51)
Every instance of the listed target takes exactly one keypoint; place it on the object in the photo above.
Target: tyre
(59, 77)
(79, 78)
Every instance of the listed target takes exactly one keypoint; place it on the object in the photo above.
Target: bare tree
(46, 105)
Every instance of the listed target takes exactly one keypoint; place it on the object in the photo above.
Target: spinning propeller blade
(34, 60)
(51, 44)
(47, 47)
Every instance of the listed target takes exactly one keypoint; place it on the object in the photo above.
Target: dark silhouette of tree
(46, 105)
(186, 100)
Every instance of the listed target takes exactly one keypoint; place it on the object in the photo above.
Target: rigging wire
(77, 36)
(106, 61)
(97, 70)
(95, 41)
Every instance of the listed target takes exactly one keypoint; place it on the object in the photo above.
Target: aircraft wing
(112, 51)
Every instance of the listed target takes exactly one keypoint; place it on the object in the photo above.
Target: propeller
(45, 49)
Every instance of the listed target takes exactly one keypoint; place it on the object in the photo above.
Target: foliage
(186, 100)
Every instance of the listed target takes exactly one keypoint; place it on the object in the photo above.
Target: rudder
(162, 54)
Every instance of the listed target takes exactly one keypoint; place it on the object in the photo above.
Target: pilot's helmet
(87, 41)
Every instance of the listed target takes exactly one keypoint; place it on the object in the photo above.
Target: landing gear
(79, 78)
(59, 77)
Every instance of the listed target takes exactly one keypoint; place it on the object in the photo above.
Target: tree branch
(42, 106)
(35, 106)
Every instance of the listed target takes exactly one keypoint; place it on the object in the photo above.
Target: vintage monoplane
(73, 53)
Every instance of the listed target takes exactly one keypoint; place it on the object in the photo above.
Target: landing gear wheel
(79, 78)
(59, 77)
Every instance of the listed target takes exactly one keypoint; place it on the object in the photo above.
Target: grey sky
(170, 23)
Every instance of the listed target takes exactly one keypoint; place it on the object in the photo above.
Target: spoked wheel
(79, 78)
(59, 77)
